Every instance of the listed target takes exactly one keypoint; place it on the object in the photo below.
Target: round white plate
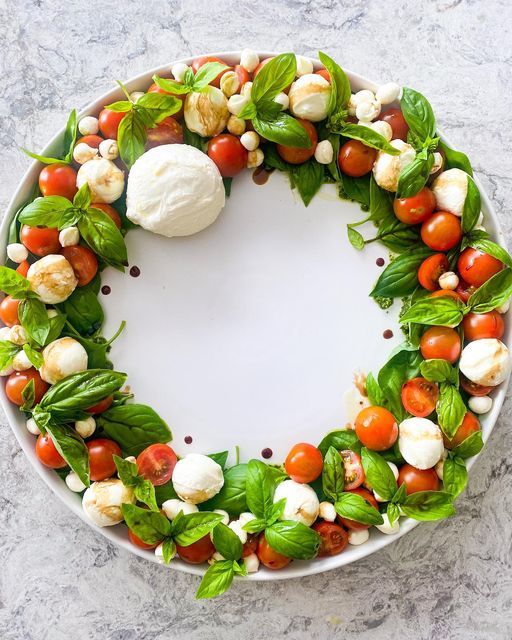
(249, 332)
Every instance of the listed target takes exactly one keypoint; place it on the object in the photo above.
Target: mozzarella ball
(173, 507)
(236, 527)
(420, 442)
(18, 335)
(159, 553)
(324, 152)
(206, 112)
(386, 527)
(82, 153)
(486, 362)
(450, 189)
(354, 402)
(365, 95)
(249, 60)
(356, 538)
(250, 140)
(74, 483)
(245, 517)
(229, 83)
(135, 96)
(327, 511)
(52, 278)
(62, 358)
(86, 427)
(383, 128)
(304, 66)
(5, 332)
(252, 563)
(368, 111)
(448, 280)
(17, 252)
(89, 126)
(480, 404)
(102, 501)
(32, 427)
(302, 503)
(236, 126)
(246, 90)
(387, 168)
(236, 103)
(309, 97)
(179, 70)
(387, 93)
(197, 478)
(439, 468)
(282, 99)
(224, 514)
(255, 158)
(438, 163)
(105, 180)
(109, 149)
(69, 237)
(21, 362)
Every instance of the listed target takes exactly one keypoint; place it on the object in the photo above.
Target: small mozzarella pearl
(229, 83)
(448, 281)
(88, 126)
(282, 99)
(255, 158)
(179, 70)
(504, 307)
(386, 527)
(327, 511)
(236, 126)
(387, 93)
(252, 563)
(246, 89)
(86, 427)
(236, 103)
(224, 514)
(21, 362)
(109, 149)
(358, 537)
(250, 140)
(18, 335)
(236, 527)
(136, 95)
(74, 483)
(17, 252)
(82, 153)
(480, 404)
(383, 128)
(324, 152)
(304, 66)
(368, 111)
(69, 237)
(173, 506)
(245, 517)
(32, 427)
(249, 60)
(365, 95)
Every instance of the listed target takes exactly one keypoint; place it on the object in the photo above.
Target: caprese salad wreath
(164, 159)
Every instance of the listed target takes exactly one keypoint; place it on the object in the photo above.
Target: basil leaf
(393, 512)
(71, 447)
(455, 159)
(216, 580)
(455, 475)
(293, 539)
(428, 505)
(70, 134)
(158, 106)
(249, 112)
(206, 73)
(45, 212)
(14, 284)
(168, 550)
(355, 238)
(283, 130)
(171, 86)
(400, 495)
(150, 526)
(354, 507)
(480, 240)
(121, 106)
(226, 542)
(381, 206)
(340, 440)
(259, 489)
(228, 182)
(356, 189)
(193, 526)
(437, 370)
(373, 390)
(220, 458)
(340, 85)
(469, 447)
(493, 293)
(83, 310)
(165, 492)
(472, 206)
(34, 356)
(441, 311)
(369, 137)
(450, 409)
(333, 474)
(414, 176)
(34, 319)
(28, 396)
(231, 497)
(402, 366)
(378, 474)
(7, 352)
(104, 238)
(418, 114)
(308, 177)
(131, 137)
(273, 77)
(82, 199)
(134, 427)
(400, 277)
(397, 236)
(129, 475)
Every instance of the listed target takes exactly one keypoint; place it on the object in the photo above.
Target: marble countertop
(60, 579)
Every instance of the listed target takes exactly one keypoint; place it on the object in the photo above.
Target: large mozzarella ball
(420, 442)
(309, 97)
(302, 503)
(105, 179)
(387, 168)
(206, 112)
(197, 478)
(62, 358)
(450, 189)
(486, 362)
(102, 501)
(52, 278)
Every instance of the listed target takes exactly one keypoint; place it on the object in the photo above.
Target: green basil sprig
(437, 370)
(68, 144)
(191, 82)
(400, 277)
(129, 475)
(450, 409)
(481, 240)
(455, 475)
(441, 311)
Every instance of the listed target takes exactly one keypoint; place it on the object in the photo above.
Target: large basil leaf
(333, 474)
(273, 77)
(418, 114)
(104, 238)
(455, 475)
(308, 177)
(259, 488)
(354, 507)
(34, 319)
(340, 440)
(400, 277)
(283, 130)
(14, 284)
(71, 447)
(83, 310)
(428, 505)
(441, 311)
(231, 497)
(369, 137)
(293, 539)
(455, 159)
(131, 137)
(150, 526)
(226, 542)
(378, 474)
(45, 212)
(216, 580)
(340, 85)
(193, 526)
(493, 293)
(472, 206)
(450, 409)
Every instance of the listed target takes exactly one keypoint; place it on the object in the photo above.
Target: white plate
(249, 332)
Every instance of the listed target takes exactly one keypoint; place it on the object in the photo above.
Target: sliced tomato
(354, 473)
(419, 397)
(156, 463)
(431, 269)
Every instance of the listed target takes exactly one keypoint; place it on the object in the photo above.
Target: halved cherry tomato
(17, 382)
(169, 131)
(228, 153)
(334, 538)
(197, 552)
(83, 261)
(199, 62)
(417, 208)
(469, 425)
(270, 558)
(370, 499)
(101, 462)
(419, 397)
(304, 463)
(47, 453)
(473, 388)
(376, 428)
(139, 543)
(298, 155)
(354, 473)
(251, 546)
(58, 180)
(447, 293)
(102, 406)
(154, 88)
(324, 73)
(109, 122)
(242, 74)
(417, 479)
(442, 231)
(41, 241)
(9, 311)
(483, 325)
(442, 343)
(110, 211)
(431, 269)
(395, 118)
(91, 139)
(156, 463)
(465, 290)
(23, 268)
(355, 159)
(476, 267)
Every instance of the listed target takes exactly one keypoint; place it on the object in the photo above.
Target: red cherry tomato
(442, 343)
(304, 463)
(354, 473)
(23, 268)
(355, 159)
(102, 406)
(324, 73)
(483, 325)
(91, 139)
(83, 261)
(415, 209)
(395, 118)
(299, 155)
(58, 180)
(472, 388)
(156, 463)
(447, 293)
(419, 397)
(476, 267)
(47, 454)
(251, 546)
(9, 311)
(101, 462)
(242, 74)
(197, 552)
(417, 479)
(199, 62)
(442, 231)
(370, 499)
(17, 382)
(376, 428)
(110, 211)
(154, 88)
(139, 543)
(465, 290)
(169, 131)
(228, 153)
(334, 538)
(469, 425)
(41, 241)
(109, 122)
(270, 558)
(431, 269)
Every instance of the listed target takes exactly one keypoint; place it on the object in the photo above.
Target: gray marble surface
(453, 580)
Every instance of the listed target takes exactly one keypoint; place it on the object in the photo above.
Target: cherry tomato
(483, 325)
(442, 343)
(251, 546)
(469, 425)
(156, 463)
(370, 499)
(395, 118)
(102, 406)
(476, 267)
(228, 153)
(101, 462)
(415, 209)
(109, 122)
(110, 211)
(169, 131)
(17, 382)
(472, 388)
(324, 73)
(419, 397)
(58, 180)
(304, 463)
(83, 261)
(465, 290)
(154, 88)
(23, 268)
(431, 269)
(417, 479)
(298, 155)
(47, 454)
(334, 538)
(199, 62)
(447, 293)
(242, 74)
(354, 473)
(356, 159)
(442, 231)
(270, 558)
(91, 139)
(9, 311)
(139, 543)
(376, 428)
(197, 552)
(41, 241)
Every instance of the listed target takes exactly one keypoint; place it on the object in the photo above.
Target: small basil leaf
(206, 73)
(8, 351)
(193, 526)
(355, 238)
(418, 114)
(28, 395)
(308, 177)
(14, 284)
(472, 206)
(480, 240)
(414, 176)
(428, 505)
(455, 159)
(455, 476)
(171, 86)
(71, 447)
(226, 542)
(220, 458)
(34, 319)
(82, 198)
(379, 474)
(373, 390)
(131, 137)
(34, 356)
(469, 447)
(402, 366)
(216, 580)
(83, 310)
(232, 496)
(493, 293)
(354, 507)
(168, 550)
(356, 189)
(283, 130)
(333, 474)
(441, 311)
(158, 106)
(340, 440)
(45, 212)
(293, 539)
(150, 526)
(437, 370)
(273, 77)
(450, 409)
(393, 512)
(369, 137)
(259, 488)
(340, 85)
(104, 238)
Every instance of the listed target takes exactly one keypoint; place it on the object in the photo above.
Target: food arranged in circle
(164, 158)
